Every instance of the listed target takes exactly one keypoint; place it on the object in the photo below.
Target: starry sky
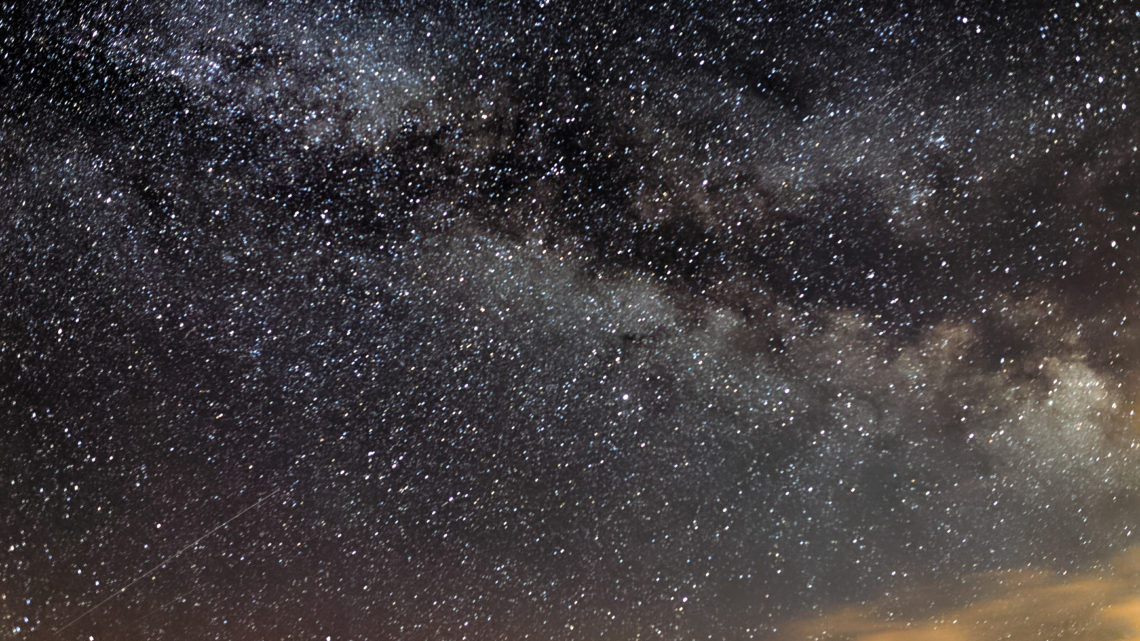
(569, 320)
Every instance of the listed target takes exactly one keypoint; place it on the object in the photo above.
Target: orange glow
(1014, 606)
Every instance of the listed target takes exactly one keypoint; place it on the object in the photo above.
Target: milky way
(562, 321)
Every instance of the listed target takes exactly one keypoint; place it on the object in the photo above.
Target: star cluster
(556, 320)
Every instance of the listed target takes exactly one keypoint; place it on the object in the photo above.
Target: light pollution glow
(1020, 605)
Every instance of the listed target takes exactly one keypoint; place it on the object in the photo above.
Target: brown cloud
(1101, 605)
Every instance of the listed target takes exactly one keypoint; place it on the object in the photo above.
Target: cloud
(1021, 605)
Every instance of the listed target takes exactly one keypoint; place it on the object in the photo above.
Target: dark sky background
(549, 320)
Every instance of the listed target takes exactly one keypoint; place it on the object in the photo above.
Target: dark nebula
(543, 320)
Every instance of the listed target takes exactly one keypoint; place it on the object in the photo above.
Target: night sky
(556, 321)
